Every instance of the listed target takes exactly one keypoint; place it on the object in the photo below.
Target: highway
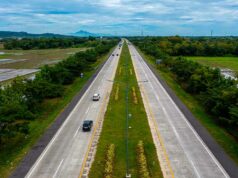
(180, 150)
(65, 155)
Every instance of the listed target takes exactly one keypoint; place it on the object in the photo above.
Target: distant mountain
(83, 33)
(9, 34)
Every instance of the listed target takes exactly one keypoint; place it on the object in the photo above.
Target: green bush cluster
(21, 101)
(110, 155)
(43, 43)
(218, 95)
(141, 160)
(189, 46)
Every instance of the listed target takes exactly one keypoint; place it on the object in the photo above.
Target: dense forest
(21, 101)
(218, 96)
(188, 46)
(47, 43)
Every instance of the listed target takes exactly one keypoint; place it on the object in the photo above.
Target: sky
(121, 17)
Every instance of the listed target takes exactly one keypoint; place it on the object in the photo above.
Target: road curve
(64, 155)
(182, 153)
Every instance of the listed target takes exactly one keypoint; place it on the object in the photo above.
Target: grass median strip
(114, 127)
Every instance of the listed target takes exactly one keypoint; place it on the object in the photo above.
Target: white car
(96, 97)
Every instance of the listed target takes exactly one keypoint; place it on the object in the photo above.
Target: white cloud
(67, 16)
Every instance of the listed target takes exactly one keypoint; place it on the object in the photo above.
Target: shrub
(141, 160)
(117, 92)
(135, 100)
(110, 155)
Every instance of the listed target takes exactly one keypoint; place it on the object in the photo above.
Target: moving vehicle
(96, 97)
(87, 125)
(113, 55)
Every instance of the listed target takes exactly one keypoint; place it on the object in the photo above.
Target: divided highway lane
(182, 152)
(64, 155)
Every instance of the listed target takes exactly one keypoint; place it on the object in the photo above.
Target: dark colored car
(113, 55)
(117, 54)
(87, 125)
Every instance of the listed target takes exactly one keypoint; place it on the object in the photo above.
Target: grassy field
(222, 62)
(114, 127)
(11, 155)
(221, 135)
(35, 58)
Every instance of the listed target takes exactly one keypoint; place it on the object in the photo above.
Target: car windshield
(86, 123)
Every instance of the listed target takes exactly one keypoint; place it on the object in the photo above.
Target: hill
(83, 33)
(10, 34)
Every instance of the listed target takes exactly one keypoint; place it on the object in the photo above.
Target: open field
(222, 62)
(12, 154)
(34, 58)
(114, 127)
(221, 135)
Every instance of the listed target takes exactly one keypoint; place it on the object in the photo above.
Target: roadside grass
(14, 152)
(36, 58)
(222, 62)
(221, 135)
(114, 127)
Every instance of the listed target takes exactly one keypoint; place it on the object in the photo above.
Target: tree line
(20, 102)
(188, 46)
(47, 43)
(218, 95)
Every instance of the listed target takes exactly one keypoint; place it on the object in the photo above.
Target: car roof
(87, 121)
(96, 94)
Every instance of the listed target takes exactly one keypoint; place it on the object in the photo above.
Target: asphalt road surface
(64, 155)
(186, 153)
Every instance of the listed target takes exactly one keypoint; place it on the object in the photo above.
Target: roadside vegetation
(190, 46)
(110, 156)
(211, 97)
(47, 43)
(114, 128)
(142, 161)
(28, 107)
